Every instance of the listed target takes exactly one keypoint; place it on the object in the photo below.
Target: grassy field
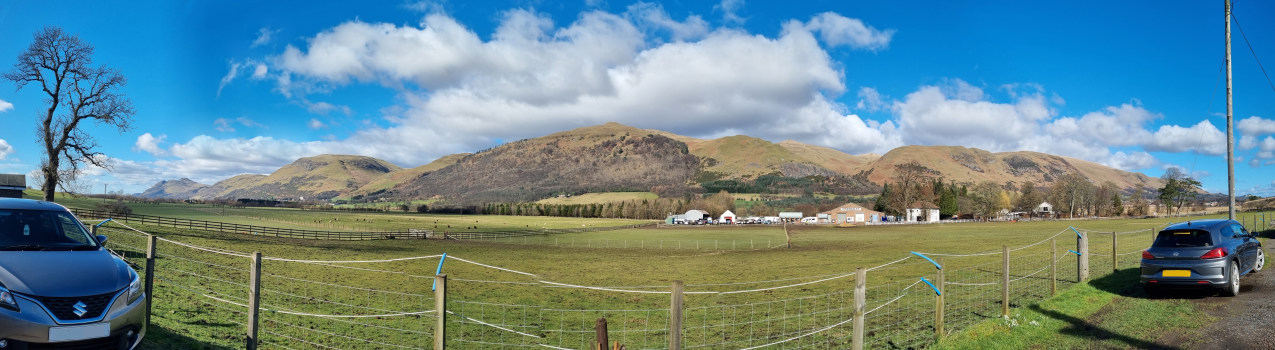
(187, 315)
(598, 198)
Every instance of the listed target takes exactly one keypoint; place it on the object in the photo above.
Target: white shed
(1044, 209)
(726, 218)
(922, 212)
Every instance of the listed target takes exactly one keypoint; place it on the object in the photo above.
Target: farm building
(791, 216)
(922, 212)
(692, 216)
(727, 218)
(850, 213)
(1044, 209)
(11, 185)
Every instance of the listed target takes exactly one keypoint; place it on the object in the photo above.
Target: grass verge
(1110, 312)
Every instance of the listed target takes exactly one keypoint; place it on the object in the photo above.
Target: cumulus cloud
(150, 144)
(315, 124)
(838, 30)
(1256, 126)
(5, 149)
(5, 106)
(962, 116)
(1202, 138)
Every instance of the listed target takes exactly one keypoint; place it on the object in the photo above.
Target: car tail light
(1215, 254)
(1147, 255)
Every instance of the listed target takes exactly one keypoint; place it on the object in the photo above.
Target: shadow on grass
(1088, 330)
(1123, 283)
(1126, 283)
(163, 338)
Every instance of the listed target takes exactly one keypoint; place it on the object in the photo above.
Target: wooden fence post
(860, 299)
(1053, 267)
(440, 306)
(601, 330)
(150, 274)
(1115, 262)
(938, 304)
(1004, 281)
(254, 300)
(675, 317)
(1082, 261)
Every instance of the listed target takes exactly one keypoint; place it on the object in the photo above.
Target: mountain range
(615, 157)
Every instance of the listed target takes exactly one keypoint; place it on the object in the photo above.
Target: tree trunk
(51, 178)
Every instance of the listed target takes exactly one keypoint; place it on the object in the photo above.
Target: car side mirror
(101, 239)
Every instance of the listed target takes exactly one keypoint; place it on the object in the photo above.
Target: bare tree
(77, 91)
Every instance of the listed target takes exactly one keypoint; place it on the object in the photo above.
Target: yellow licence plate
(1176, 273)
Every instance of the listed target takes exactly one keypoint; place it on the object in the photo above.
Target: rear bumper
(32, 324)
(1203, 272)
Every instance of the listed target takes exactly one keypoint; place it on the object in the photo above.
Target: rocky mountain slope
(614, 157)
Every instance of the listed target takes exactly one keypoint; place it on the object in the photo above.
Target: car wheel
(1233, 282)
(1261, 260)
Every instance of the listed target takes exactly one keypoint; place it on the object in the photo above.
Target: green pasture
(186, 316)
(599, 198)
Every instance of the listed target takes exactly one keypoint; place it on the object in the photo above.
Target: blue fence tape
(1074, 252)
(936, 289)
(936, 264)
(1073, 229)
(439, 271)
(103, 222)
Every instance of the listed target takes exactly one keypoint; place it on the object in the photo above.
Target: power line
(1250, 49)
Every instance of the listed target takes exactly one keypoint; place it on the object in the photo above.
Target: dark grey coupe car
(1204, 253)
(59, 287)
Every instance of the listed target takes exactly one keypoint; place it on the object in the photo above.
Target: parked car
(60, 287)
(1202, 253)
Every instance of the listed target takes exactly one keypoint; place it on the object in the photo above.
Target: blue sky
(229, 87)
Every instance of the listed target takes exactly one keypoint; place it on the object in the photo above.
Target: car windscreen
(1183, 238)
(42, 230)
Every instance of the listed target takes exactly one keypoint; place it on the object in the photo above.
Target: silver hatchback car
(1203, 253)
(59, 287)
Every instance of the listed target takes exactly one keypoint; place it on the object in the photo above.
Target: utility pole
(1230, 128)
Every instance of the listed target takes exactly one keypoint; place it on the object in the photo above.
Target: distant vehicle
(1202, 253)
(59, 287)
(809, 220)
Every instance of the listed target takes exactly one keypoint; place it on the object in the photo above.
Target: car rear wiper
(24, 247)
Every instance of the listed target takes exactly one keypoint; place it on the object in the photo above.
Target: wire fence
(223, 227)
(400, 303)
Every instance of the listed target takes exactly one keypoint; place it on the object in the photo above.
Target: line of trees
(1072, 195)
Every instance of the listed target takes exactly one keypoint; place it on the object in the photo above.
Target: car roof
(1209, 225)
(29, 204)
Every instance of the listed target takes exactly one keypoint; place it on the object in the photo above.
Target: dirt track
(1245, 321)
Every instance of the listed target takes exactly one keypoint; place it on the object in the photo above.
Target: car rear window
(1183, 238)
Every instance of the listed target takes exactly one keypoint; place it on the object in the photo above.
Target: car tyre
(1152, 291)
(1261, 260)
(1233, 281)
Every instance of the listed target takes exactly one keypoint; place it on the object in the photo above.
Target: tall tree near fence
(1178, 189)
(62, 65)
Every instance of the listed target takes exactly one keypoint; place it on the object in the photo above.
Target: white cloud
(5, 106)
(652, 16)
(871, 100)
(229, 77)
(315, 124)
(5, 149)
(1255, 126)
(227, 125)
(263, 36)
(962, 117)
(260, 71)
(324, 108)
(838, 30)
(150, 144)
(730, 11)
(1202, 138)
